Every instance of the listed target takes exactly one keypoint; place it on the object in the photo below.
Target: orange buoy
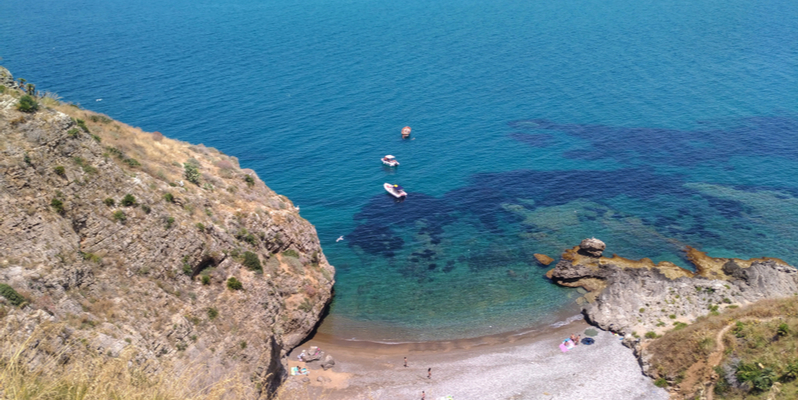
(406, 132)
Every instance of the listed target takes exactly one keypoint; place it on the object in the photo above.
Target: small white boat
(395, 190)
(390, 161)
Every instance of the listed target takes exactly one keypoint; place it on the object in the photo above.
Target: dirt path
(703, 370)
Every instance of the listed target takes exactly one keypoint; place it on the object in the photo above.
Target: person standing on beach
(429, 373)
(423, 395)
(405, 361)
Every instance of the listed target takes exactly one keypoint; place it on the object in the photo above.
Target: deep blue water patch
(770, 136)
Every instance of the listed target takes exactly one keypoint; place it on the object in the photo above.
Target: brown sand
(511, 366)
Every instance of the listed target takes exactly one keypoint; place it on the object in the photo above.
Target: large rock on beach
(328, 362)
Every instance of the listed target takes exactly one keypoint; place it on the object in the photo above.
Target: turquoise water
(536, 124)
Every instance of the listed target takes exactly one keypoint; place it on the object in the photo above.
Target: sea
(651, 125)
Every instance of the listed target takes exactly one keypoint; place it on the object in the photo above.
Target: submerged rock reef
(128, 242)
(628, 296)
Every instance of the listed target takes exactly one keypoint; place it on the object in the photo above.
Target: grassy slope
(681, 357)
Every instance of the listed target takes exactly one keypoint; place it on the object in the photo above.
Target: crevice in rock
(206, 262)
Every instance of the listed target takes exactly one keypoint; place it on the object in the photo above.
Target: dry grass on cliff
(678, 349)
(28, 371)
(163, 159)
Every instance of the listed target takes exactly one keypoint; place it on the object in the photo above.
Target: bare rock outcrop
(593, 247)
(131, 240)
(543, 259)
(628, 296)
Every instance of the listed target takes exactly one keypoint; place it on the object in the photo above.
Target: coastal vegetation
(747, 352)
(28, 104)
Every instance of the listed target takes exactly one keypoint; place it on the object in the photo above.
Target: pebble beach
(524, 366)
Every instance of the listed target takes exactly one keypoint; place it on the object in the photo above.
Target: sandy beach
(512, 366)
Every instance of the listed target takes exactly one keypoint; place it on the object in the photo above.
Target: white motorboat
(390, 161)
(395, 190)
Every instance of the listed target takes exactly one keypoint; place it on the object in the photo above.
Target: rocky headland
(627, 296)
(641, 299)
(123, 243)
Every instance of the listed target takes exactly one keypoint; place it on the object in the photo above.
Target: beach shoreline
(521, 365)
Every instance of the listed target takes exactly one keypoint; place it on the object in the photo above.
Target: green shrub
(641, 310)
(146, 208)
(27, 104)
(128, 200)
(672, 316)
(191, 173)
(249, 180)
(169, 198)
(73, 132)
(9, 293)
(212, 313)
(169, 222)
(251, 261)
(109, 202)
(247, 237)
(291, 253)
(650, 335)
(234, 284)
(661, 382)
(200, 227)
(82, 124)
(738, 330)
(57, 205)
(84, 165)
(790, 373)
(243, 344)
(761, 378)
(120, 216)
(59, 170)
(91, 257)
(205, 279)
(96, 138)
(783, 329)
(100, 118)
(131, 162)
(679, 325)
(187, 268)
(115, 152)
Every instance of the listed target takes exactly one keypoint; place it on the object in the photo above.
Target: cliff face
(105, 234)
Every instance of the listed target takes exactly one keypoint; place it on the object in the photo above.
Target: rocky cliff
(130, 241)
(629, 296)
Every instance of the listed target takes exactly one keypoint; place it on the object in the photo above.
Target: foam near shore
(516, 366)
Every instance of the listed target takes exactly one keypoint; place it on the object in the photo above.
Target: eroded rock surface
(639, 296)
(150, 273)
